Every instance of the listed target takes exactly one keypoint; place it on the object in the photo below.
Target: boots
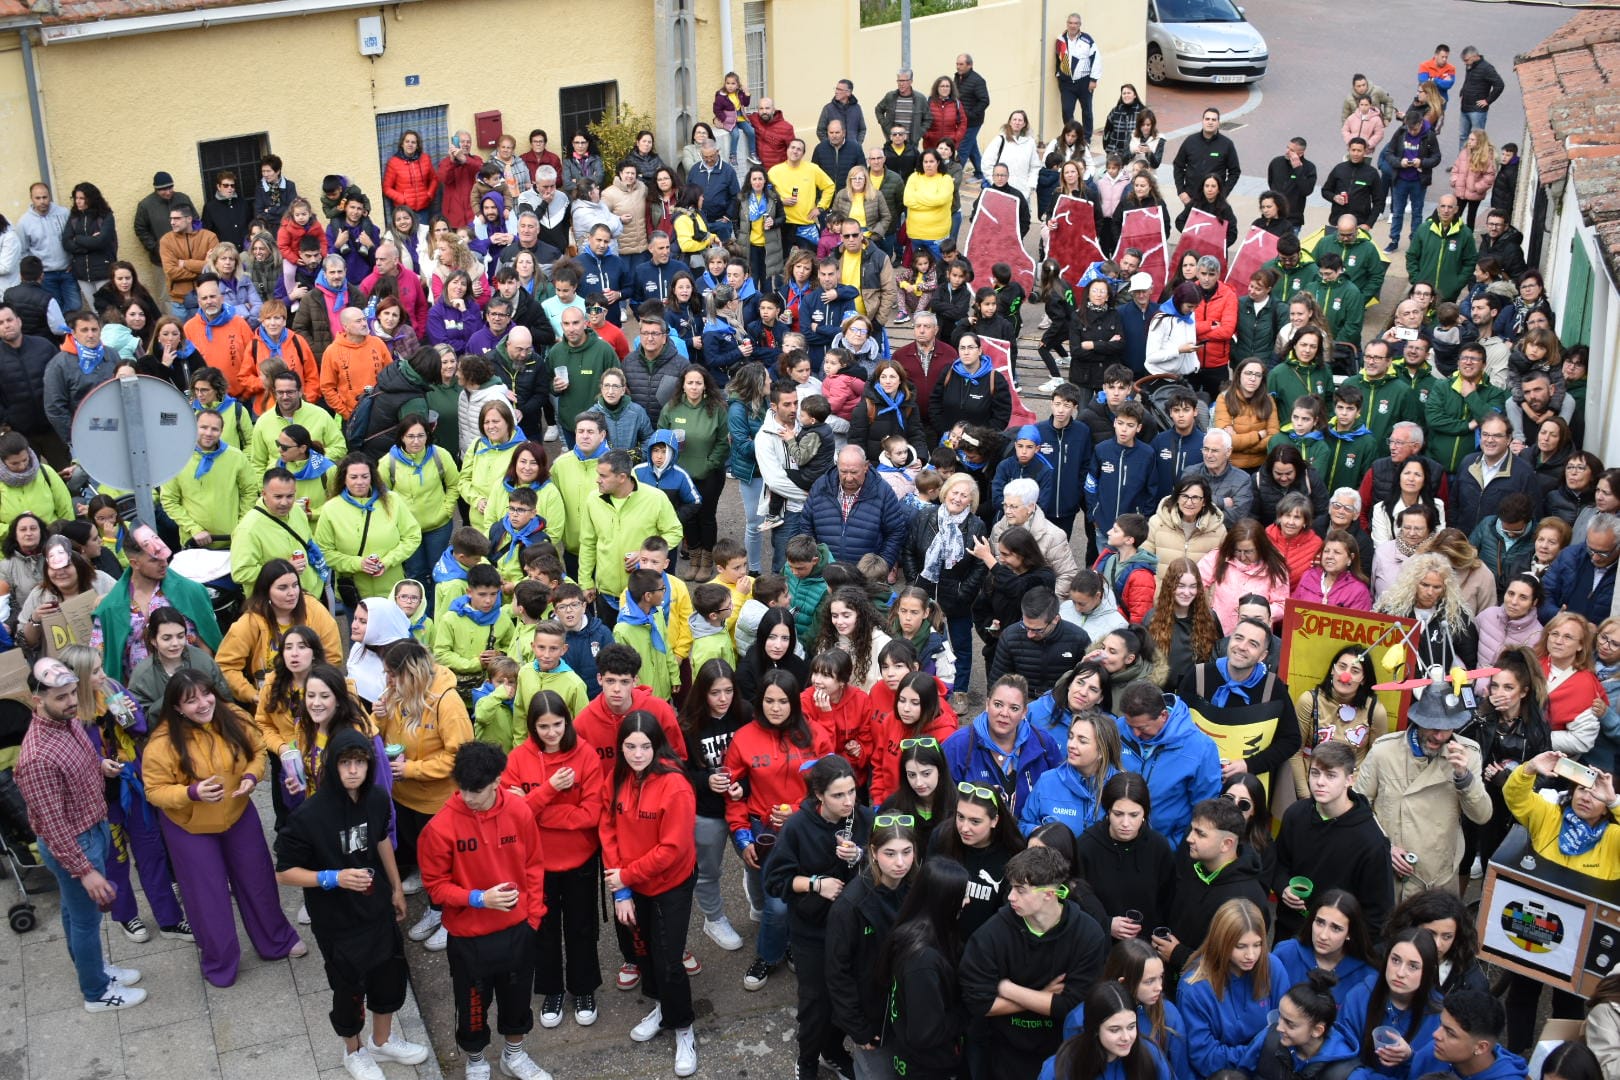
(702, 565)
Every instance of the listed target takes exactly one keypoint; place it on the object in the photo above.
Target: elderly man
(183, 251)
(617, 522)
(1230, 487)
(282, 531)
(551, 204)
(1019, 507)
(528, 239)
(903, 107)
(1581, 579)
(458, 172)
(889, 184)
(863, 266)
(717, 180)
(1041, 646)
(854, 512)
(526, 373)
(1421, 783)
(1442, 252)
(925, 358)
(223, 338)
(72, 373)
(846, 110)
(835, 155)
(351, 363)
(974, 95)
(1406, 440)
(1078, 67)
(407, 285)
(1490, 475)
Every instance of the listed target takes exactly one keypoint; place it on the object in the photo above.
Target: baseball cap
(1141, 282)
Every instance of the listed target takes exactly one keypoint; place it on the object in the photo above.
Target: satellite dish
(134, 432)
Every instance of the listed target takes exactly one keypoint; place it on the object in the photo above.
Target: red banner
(1204, 234)
(1257, 249)
(1143, 229)
(993, 236)
(1072, 241)
(999, 354)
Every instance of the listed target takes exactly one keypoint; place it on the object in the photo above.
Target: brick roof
(68, 12)
(1571, 87)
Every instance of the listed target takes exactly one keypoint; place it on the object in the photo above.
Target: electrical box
(487, 129)
(371, 35)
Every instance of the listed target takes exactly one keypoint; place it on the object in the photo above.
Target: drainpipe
(728, 54)
(1040, 66)
(34, 112)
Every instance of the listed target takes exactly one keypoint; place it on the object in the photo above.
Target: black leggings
(818, 1037)
(659, 943)
(705, 530)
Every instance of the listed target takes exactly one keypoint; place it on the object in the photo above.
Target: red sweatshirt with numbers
(462, 849)
(767, 764)
(648, 832)
(568, 819)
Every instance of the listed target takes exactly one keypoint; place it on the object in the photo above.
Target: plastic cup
(394, 751)
(764, 842)
(1302, 887)
(1386, 1037)
(1134, 916)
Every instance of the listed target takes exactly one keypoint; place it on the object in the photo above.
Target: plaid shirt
(59, 775)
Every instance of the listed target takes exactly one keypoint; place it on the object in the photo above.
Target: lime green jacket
(44, 495)
(258, 539)
(392, 535)
(611, 527)
(430, 494)
(496, 721)
(659, 670)
(481, 476)
(458, 641)
(575, 480)
(565, 682)
(215, 504)
(323, 427)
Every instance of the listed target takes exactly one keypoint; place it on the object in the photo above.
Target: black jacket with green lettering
(857, 927)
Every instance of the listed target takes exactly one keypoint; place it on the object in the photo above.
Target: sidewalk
(271, 1024)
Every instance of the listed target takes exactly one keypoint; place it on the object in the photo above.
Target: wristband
(815, 881)
(742, 838)
(621, 894)
(327, 879)
(475, 898)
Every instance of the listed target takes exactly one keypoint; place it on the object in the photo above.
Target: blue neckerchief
(890, 404)
(1224, 692)
(416, 627)
(984, 369)
(274, 344)
(448, 568)
(1360, 430)
(90, 358)
(206, 459)
(522, 536)
(132, 794)
(1169, 308)
(1413, 742)
(484, 446)
(226, 314)
(758, 206)
(462, 605)
(1309, 436)
(601, 448)
(961, 459)
(630, 614)
(403, 458)
(1576, 837)
(226, 402)
(316, 467)
(365, 507)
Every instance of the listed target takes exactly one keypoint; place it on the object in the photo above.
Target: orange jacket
(348, 368)
(296, 354)
(1217, 320)
(182, 255)
(228, 348)
(410, 183)
(1250, 434)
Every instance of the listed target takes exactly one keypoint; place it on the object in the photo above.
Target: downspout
(35, 114)
(1040, 65)
(728, 53)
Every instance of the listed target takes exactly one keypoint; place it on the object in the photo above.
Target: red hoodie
(568, 819)
(850, 719)
(770, 765)
(598, 725)
(461, 850)
(648, 833)
(887, 731)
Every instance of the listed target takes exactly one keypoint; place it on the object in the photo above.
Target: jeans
(960, 630)
(81, 916)
(773, 919)
(184, 309)
(752, 491)
(968, 152)
(1406, 191)
(721, 229)
(1470, 120)
(65, 288)
(419, 567)
(792, 525)
(930, 246)
(741, 145)
(712, 840)
(1077, 91)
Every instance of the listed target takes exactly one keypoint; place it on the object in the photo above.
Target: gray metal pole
(905, 34)
(135, 443)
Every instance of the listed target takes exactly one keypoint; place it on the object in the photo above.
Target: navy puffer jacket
(877, 522)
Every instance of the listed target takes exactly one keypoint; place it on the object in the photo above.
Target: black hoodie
(806, 847)
(1348, 852)
(1006, 948)
(1196, 902)
(925, 1017)
(1140, 875)
(857, 927)
(332, 831)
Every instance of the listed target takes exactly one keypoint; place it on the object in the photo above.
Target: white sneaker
(649, 1027)
(425, 926)
(685, 1052)
(439, 942)
(121, 976)
(1046, 323)
(721, 933)
(552, 435)
(119, 997)
(1050, 385)
(522, 1066)
(1476, 871)
(303, 914)
(396, 1049)
(361, 1066)
(412, 884)
(477, 1070)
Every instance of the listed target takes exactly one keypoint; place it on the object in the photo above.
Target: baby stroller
(16, 835)
(1154, 392)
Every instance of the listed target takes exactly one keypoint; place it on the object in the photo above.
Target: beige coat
(1421, 809)
(1167, 540)
(1603, 1038)
(631, 202)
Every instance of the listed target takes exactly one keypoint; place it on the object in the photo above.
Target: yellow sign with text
(1313, 634)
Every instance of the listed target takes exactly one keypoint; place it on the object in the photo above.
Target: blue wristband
(476, 898)
(742, 838)
(328, 879)
(621, 894)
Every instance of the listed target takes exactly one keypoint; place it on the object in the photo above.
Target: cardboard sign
(1144, 229)
(1313, 633)
(72, 623)
(999, 353)
(14, 677)
(993, 236)
(1072, 243)
(1258, 248)
(1238, 741)
(1204, 234)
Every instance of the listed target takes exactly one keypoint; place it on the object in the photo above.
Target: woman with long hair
(1228, 988)
(1576, 700)
(1335, 939)
(487, 459)
(276, 602)
(1403, 996)
(1426, 590)
(1108, 1043)
(1473, 174)
(425, 721)
(199, 769)
(1288, 469)
(861, 203)
(982, 836)
(1016, 565)
(1079, 691)
(649, 862)
(122, 287)
(917, 968)
(168, 650)
(1129, 864)
(1514, 621)
(1341, 708)
(1143, 194)
(1337, 579)
(90, 240)
(67, 575)
(23, 566)
(1133, 965)
(758, 214)
(853, 625)
(1211, 200)
(1072, 794)
(928, 200)
(1246, 562)
(1188, 524)
(1182, 623)
(711, 714)
(300, 454)
(775, 647)
(699, 411)
(366, 533)
(1291, 535)
(1129, 654)
(858, 925)
(745, 413)
(1448, 919)
(1016, 148)
(281, 706)
(1248, 793)
(171, 356)
(425, 479)
(925, 789)
(1120, 125)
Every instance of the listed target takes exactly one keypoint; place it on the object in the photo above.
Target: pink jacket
(1240, 581)
(842, 392)
(1347, 592)
(411, 295)
(1469, 185)
(1369, 127)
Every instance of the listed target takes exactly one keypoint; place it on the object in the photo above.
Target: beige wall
(19, 165)
(1010, 48)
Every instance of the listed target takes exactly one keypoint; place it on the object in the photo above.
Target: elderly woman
(938, 557)
(1020, 507)
(1412, 530)
(1426, 590)
(1344, 512)
(1576, 699)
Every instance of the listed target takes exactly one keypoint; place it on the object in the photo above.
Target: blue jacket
(583, 645)
(672, 480)
(599, 273)
(720, 347)
(821, 322)
(1335, 1047)
(650, 282)
(878, 521)
(1038, 470)
(742, 427)
(1133, 324)
(1062, 794)
(1353, 1021)
(1069, 452)
(1115, 1070)
(719, 187)
(1568, 583)
(968, 753)
(1181, 765)
(1175, 1034)
(1120, 480)
(1292, 962)
(1508, 1065)
(1175, 454)
(1221, 1030)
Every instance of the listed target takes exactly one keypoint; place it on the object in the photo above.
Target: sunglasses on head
(885, 821)
(925, 740)
(966, 788)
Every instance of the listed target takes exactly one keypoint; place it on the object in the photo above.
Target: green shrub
(878, 12)
(615, 135)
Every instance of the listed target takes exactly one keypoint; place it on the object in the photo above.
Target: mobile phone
(1406, 333)
(1574, 771)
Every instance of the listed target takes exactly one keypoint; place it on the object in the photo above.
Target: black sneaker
(806, 1070)
(842, 1067)
(758, 973)
(793, 967)
(180, 931)
(551, 1010)
(584, 1009)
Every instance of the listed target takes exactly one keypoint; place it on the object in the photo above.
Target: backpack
(356, 430)
(433, 452)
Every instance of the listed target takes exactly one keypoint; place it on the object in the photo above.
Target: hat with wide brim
(1438, 710)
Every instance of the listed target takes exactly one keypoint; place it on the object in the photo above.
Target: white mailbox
(371, 35)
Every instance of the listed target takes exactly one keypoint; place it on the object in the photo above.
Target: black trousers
(658, 941)
(495, 969)
(358, 980)
(570, 926)
(818, 1036)
(408, 826)
(704, 530)
(1523, 1001)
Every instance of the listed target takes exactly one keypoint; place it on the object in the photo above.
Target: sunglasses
(926, 740)
(966, 788)
(286, 445)
(885, 821)
(1242, 804)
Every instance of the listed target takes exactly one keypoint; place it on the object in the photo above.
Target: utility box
(487, 129)
(372, 42)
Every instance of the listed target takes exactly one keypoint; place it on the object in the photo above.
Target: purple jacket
(357, 258)
(447, 326)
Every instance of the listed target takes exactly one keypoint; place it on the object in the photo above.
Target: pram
(15, 832)
(1153, 393)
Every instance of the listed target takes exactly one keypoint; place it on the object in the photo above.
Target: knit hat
(161, 180)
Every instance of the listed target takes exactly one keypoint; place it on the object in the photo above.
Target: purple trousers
(138, 837)
(211, 868)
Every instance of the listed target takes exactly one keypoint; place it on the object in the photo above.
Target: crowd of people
(451, 460)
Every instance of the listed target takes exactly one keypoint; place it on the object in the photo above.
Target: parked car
(1207, 41)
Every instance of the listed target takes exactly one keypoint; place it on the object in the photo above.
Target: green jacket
(496, 721)
(481, 474)
(392, 535)
(1315, 450)
(443, 409)
(1443, 257)
(1448, 416)
(215, 504)
(1385, 403)
(323, 427)
(1347, 459)
(1423, 382)
(659, 670)
(1290, 380)
(575, 480)
(707, 441)
(261, 537)
(44, 495)
(612, 526)
(429, 492)
(807, 594)
(1256, 331)
(182, 594)
(458, 641)
(1289, 282)
(710, 642)
(565, 681)
(585, 365)
(1343, 306)
(1364, 264)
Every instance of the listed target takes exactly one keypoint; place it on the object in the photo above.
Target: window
(754, 46)
(240, 155)
(582, 106)
(431, 123)
(1575, 324)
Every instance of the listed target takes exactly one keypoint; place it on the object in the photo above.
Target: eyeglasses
(1189, 497)
(652, 333)
(966, 788)
(569, 605)
(925, 740)
(888, 821)
(1493, 436)
(1601, 553)
(1346, 507)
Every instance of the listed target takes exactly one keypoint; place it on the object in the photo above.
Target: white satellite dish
(134, 433)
